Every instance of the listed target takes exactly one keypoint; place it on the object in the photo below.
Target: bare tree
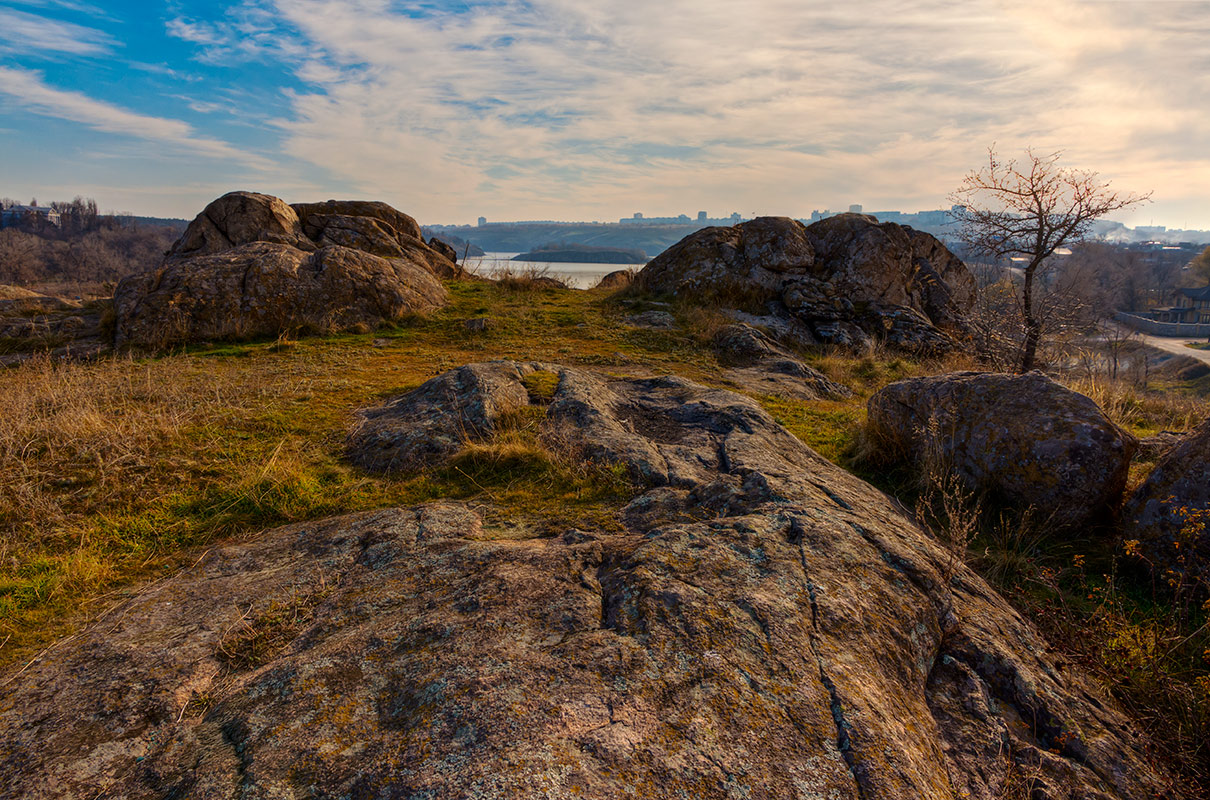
(1029, 211)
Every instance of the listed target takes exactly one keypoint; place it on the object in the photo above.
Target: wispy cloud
(91, 9)
(29, 90)
(779, 106)
(247, 32)
(21, 32)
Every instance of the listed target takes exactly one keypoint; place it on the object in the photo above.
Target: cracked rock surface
(251, 265)
(765, 626)
(849, 279)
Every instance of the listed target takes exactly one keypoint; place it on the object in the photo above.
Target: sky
(567, 109)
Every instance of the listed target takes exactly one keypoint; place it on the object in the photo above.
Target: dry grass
(112, 472)
(1140, 411)
(529, 278)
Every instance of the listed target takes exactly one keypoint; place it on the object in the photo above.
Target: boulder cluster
(251, 265)
(850, 279)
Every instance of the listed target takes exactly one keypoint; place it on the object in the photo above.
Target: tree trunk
(1033, 326)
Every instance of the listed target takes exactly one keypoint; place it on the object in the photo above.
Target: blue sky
(566, 109)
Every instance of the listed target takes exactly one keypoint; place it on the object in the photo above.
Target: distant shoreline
(578, 256)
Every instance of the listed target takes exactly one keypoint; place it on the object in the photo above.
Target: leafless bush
(946, 505)
(529, 278)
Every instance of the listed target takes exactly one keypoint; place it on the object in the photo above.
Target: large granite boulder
(850, 278)
(1169, 513)
(762, 625)
(1025, 439)
(251, 265)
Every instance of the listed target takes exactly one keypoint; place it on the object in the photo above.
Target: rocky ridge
(765, 625)
(758, 364)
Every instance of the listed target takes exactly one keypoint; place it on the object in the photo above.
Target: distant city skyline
(931, 217)
(452, 110)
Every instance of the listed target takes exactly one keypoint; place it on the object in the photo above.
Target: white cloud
(30, 91)
(194, 33)
(21, 32)
(770, 105)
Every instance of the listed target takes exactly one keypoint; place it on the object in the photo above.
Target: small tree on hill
(1029, 211)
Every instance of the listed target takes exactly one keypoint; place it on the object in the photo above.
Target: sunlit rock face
(757, 623)
(849, 278)
(249, 265)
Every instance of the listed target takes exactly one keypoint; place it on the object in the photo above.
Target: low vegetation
(83, 260)
(118, 471)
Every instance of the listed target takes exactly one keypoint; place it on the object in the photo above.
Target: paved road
(1177, 346)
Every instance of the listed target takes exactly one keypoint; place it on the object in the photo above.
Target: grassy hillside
(119, 472)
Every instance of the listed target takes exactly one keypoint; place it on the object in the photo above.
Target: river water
(577, 276)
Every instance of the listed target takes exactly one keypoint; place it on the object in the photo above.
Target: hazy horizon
(527, 110)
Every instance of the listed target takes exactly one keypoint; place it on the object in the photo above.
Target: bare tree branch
(1028, 212)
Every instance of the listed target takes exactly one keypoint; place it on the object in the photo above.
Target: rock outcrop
(766, 625)
(426, 426)
(445, 249)
(757, 363)
(850, 278)
(651, 319)
(250, 265)
(36, 325)
(1169, 512)
(1024, 438)
(618, 279)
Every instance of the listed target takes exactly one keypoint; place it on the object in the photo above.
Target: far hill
(510, 237)
(174, 223)
(573, 253)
